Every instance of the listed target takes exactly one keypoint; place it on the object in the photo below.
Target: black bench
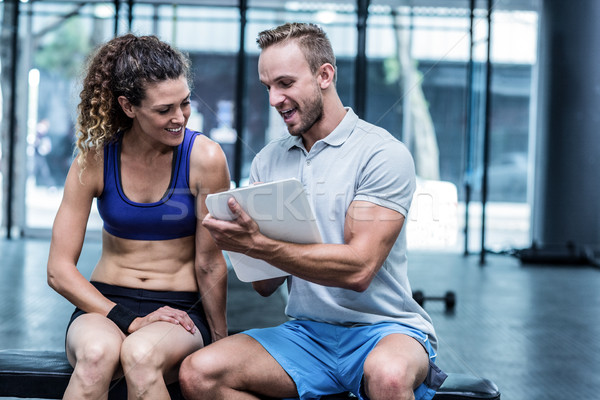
(45, 375)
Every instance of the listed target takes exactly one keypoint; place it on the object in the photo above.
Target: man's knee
(389, 381)
(186, 377)
(195, 375)
(395, 367)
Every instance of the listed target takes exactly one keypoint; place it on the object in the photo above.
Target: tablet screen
(282, 211)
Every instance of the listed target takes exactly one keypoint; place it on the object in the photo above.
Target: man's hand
(240, 234)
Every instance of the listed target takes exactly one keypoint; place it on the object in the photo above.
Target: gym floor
(533, 330)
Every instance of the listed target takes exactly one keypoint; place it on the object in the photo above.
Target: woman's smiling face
(164, 112)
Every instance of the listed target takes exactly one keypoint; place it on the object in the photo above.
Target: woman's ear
(326, 75)
(126, 106)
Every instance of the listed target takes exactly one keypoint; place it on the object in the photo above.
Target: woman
(158, 292)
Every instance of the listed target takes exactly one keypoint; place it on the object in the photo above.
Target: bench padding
(37, 374)
(467, 387)
(45, 375)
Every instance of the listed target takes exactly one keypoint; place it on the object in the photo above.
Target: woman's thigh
(165, 343)
(93, 335)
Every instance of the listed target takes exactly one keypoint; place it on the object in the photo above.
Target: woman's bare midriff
(147, 264)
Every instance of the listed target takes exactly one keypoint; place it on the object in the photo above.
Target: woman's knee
(96, 362)
(137, 353)
(97, 353)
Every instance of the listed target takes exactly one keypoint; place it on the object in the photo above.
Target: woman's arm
(211, 174)
(68, 233)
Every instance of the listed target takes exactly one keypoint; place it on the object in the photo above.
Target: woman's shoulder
(208, 163)
(90, 169)
(85, 178)
(206, 150)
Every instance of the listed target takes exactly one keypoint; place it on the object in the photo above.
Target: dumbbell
(449, 299)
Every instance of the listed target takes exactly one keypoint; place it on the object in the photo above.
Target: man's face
(293, 89)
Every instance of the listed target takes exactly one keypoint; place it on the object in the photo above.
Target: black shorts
(143, 302)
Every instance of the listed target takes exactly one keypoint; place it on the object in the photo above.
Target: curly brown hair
(121, 67)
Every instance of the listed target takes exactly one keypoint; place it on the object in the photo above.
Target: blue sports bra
(172, 217)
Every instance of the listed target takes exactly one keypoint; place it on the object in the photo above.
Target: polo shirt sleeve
(388, 177)
(254, 170)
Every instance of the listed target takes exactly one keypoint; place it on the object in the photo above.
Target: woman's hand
(165, 314)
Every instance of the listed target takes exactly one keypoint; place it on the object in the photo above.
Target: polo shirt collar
(338, 136)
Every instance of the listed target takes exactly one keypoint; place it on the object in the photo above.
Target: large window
(55, 41)
(2, 204)
(417, 87)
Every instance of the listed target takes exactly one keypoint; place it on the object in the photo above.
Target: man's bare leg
(237, 367)
(395, 368)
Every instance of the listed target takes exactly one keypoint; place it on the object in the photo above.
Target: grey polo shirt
(356, 161)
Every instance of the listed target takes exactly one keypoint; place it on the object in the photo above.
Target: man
(355, 326)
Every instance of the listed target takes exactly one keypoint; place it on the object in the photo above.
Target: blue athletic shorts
(143, 302)
(326, 359)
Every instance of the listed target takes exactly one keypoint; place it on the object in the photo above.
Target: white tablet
(281, 210)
